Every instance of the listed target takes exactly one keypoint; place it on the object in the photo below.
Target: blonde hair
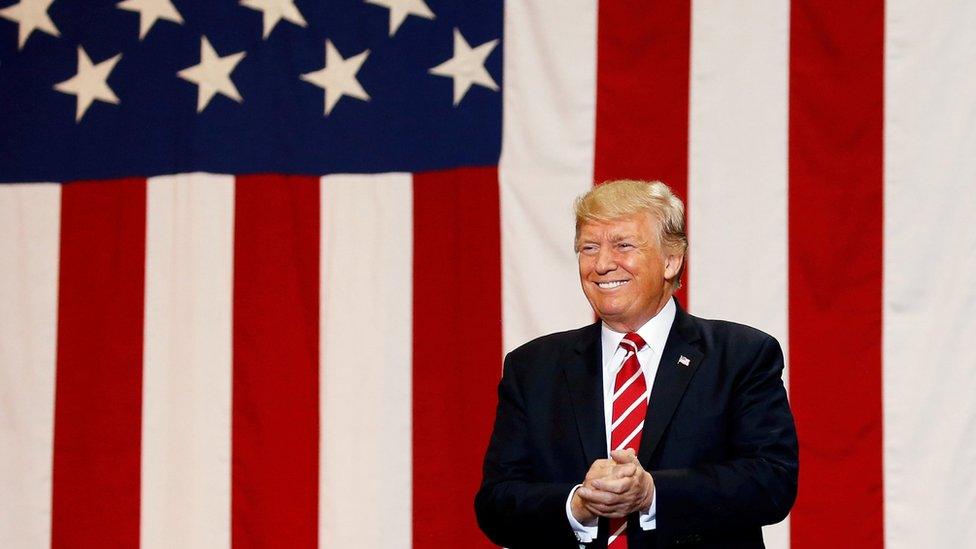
(621, 198)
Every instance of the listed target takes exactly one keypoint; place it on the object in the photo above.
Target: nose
(605, 261)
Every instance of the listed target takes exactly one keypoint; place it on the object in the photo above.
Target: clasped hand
(613, 487)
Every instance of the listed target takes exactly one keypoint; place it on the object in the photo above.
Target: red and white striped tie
(629, 408)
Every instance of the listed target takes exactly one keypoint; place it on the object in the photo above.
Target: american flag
(260, 261)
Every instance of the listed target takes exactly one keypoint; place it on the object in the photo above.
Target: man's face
(623, 270)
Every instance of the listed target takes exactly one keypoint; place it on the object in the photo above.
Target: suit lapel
(584, 375)
(679, 361)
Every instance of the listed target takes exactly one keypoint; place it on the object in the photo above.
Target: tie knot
(632, 342)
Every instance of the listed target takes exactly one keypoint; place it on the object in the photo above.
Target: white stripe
(929, 349)
(547, 160)
(186, 391)
(738, 168)
(633, 434)
(366, 342)
(629, 343)
(614, 535)
(29, 250)
(623, 416)
(627, 383)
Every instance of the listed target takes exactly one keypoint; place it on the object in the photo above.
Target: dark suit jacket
(718, 439)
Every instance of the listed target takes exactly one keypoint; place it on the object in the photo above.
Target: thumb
(627, 455)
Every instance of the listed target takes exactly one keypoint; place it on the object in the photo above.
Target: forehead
(635, 225)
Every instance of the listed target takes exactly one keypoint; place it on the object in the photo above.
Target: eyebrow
(612, 238)
(619, 237)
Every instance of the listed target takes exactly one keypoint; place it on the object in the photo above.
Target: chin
(612, 316)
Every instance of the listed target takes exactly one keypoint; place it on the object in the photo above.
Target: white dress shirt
(655, 333)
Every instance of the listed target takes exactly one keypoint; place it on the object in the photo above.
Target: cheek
(585, 266)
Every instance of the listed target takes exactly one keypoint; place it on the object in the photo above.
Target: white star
(151, 11)
(400, 9)
(30, 15)
(467, 67)
(212, 74)
(338, 76)
(90, 83)
(274, 11)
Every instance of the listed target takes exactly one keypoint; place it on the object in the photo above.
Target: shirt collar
(654, 332)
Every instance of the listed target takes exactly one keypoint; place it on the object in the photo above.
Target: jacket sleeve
(513, 507)
(758, 484)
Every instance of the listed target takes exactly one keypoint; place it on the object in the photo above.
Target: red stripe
(643, 65)
(835, 233)
(98, 402)
(628, 425)
(632, 394)
(276, 356)
(457, 348)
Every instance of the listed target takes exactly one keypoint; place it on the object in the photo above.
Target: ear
(672, 265)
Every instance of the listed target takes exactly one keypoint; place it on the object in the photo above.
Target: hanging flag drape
(242, 243)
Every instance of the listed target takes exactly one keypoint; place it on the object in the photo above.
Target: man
(702, 446)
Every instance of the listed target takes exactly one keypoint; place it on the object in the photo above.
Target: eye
(625, 246)
(588, 249)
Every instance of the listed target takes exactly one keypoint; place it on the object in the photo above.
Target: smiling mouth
(612, 284)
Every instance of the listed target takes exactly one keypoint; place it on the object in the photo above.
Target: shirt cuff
(585, 533)
(648, 519)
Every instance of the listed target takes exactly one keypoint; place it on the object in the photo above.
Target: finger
(625, 470)
(607, 510)
(627, 455)
(592, 495)
(593, 475)
(604, 497)
(620, 507)
(621, 472)
(617, 486)
(600, 467)
(617, 471)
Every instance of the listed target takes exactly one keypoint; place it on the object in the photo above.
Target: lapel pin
(684, 361)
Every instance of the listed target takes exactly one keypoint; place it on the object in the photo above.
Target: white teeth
(608, 285)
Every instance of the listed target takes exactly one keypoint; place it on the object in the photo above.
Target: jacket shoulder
(733, 343)
(547, 347)
(722, 330)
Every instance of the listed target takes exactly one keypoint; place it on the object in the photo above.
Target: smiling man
(649, 428)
